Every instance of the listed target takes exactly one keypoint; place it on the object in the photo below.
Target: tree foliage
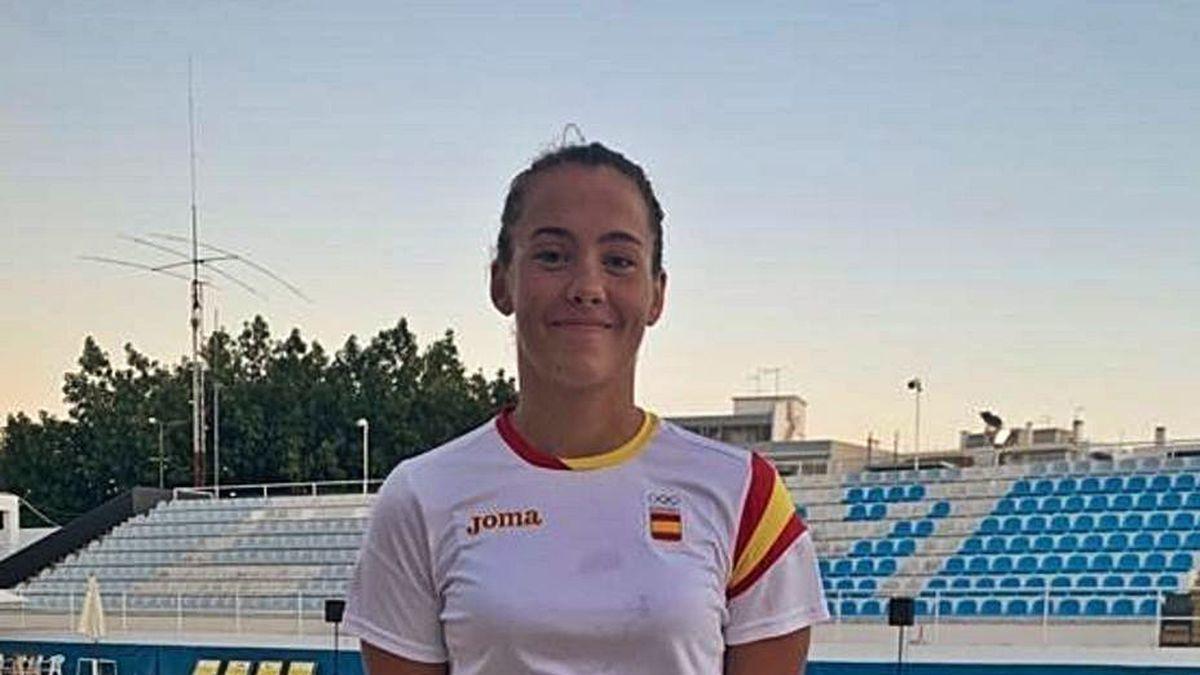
(288, 412)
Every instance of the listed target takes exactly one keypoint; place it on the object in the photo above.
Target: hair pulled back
(592, 155)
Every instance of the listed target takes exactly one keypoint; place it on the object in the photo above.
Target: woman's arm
(783, 655)
(379, 662)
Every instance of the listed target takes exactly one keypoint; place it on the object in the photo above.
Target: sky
(998, 198)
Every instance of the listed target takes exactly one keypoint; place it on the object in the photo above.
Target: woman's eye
(620, 262)
(549, 257)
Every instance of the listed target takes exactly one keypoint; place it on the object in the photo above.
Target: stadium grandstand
(1088, 548)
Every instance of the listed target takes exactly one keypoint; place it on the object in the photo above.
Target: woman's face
(580, 280)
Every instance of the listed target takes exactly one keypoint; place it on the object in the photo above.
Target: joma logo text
(504, 519)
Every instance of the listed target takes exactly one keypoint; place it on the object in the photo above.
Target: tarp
(10, 598)
(91, 617)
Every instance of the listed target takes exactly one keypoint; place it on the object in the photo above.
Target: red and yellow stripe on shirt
(666, 524)
(768, 526)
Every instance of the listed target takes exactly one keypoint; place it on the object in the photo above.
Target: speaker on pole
(901, 611)
(334, 609)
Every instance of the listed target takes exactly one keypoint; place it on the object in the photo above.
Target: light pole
(916, 387)
(216, 438)
(161, 458)
(366, 433)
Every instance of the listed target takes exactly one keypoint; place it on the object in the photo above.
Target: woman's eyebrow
(620, 236)
(550, 231)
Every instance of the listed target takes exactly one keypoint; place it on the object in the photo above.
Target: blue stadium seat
(1121, 607)
(841, 568)
(905, 547)
(1086, 581)
(1043, 488)
(990, 607)
(884, 547)
(1034, 582)
(886, 567)
(955, 565)
(871, 607)
(977, 565)
(875, 494)
(1140, 581)
(902, 528)
(1160, 483)
(1066, 486)
(1158, 522)
(1184, 482)
(1097, 503)
(1059, 525)
(1037, 607)
(989, 526)
(1154, 562)
(939, 583)
(915, 493)
(1180, 562)
(1170, 501)
(1096, 607)
(1129, 562)
(1073, 504)
(985, 583)
(1192, 502)
(1113, 581)
(1167, 541)
(1050, 564)
(972, 545)
(1148, 607)
(924, 528)
(1060, 582)
(1017, 607)
(848, 608)
(846, 584)
(895, 494)
(1027, 564)
(823, 565)
(1091, 543)
(1101, 562)
(1147, 501)
(853, 496)
(864, 567)
(940, 510)
(1042, 544)
(877, 512)
(1002, 564)
(867, 584)
(1135, 484)
(961, 584)
(1027, 506)
(945, 607)
(1192, 543)
(1011, 525)
(1121, 503)
(1083, 523)
(1089, 485)
(1076, 563)
(1108, 522)
(1021, 488)
(966, 607)
(1116, 542)
(861, 549)
(1114, 484)
(1133, 522)
(1009, 583)
(1167, 582)
(1018, 545)
(1066, 543)
(1183, 521)
(856, 512)
(996, 545)
(1067, 607)
(1034, 525)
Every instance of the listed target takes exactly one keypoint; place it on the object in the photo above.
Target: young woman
(577, 533)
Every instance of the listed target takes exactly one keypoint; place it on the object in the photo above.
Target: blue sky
(998, 197)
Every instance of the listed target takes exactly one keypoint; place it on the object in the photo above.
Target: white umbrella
(91, 617)
(10, 598)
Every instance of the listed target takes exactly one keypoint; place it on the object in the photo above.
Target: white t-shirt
(502, 560)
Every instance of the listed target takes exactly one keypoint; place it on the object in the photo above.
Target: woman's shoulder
(703, 454)
(447, 460)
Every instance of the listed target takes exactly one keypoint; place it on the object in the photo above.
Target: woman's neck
(578, 422)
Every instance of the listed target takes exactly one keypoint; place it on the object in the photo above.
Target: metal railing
(300, 489)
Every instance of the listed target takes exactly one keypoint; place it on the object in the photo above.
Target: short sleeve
(775, 584)
(392, 601)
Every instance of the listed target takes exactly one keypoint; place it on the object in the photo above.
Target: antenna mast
(197, 307)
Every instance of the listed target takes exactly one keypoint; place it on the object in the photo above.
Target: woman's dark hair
(594, 155)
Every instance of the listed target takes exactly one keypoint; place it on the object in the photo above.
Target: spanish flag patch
(665, 519)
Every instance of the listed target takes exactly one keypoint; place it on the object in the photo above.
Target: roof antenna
(193, 259)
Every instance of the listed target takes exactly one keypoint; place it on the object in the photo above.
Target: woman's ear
(660, 298)
(501, 296)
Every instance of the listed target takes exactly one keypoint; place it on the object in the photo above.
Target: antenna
(197, 282)
(567, 129)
